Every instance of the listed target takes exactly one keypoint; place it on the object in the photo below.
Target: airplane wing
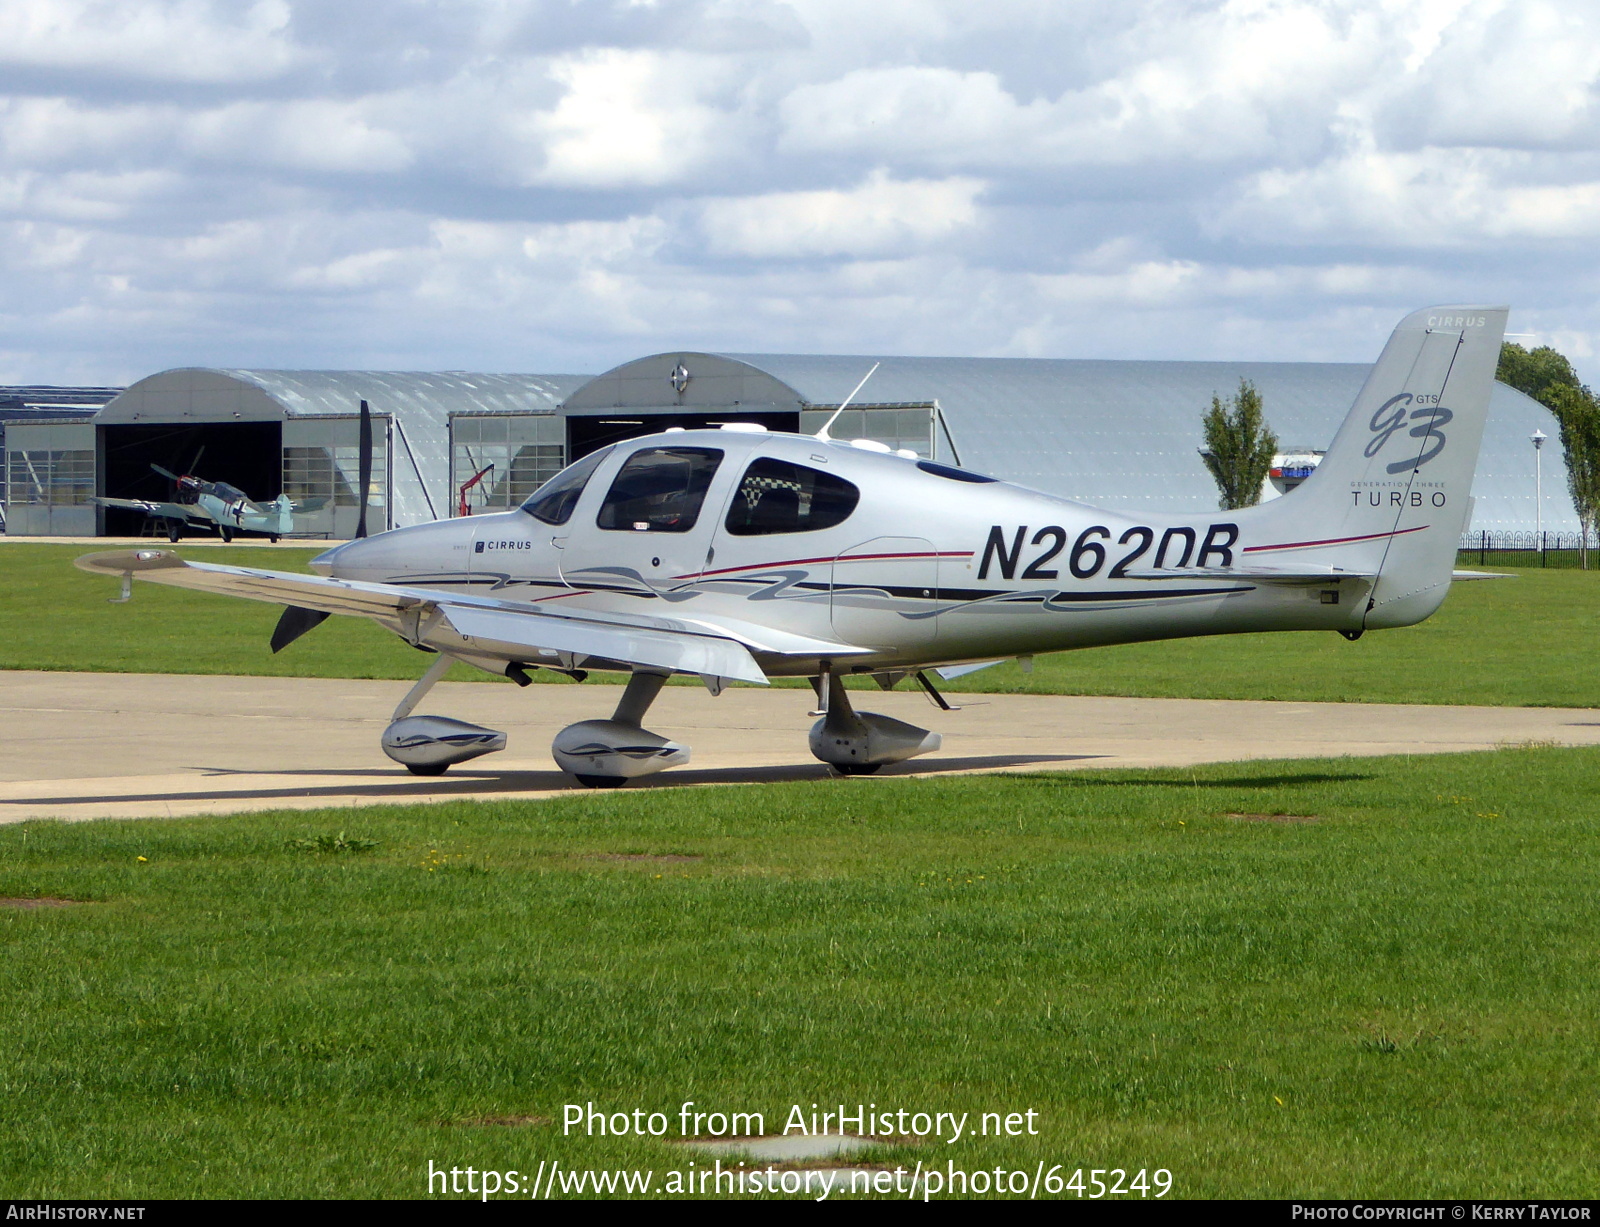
(170, 511)
(485, 626)
(1295, 576)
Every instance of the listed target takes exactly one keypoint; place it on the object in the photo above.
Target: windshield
(554, 501)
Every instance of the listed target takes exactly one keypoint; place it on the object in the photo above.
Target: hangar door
(498, 460)
(587, 434)
(322, 460)
(243, 454)
(49, 479)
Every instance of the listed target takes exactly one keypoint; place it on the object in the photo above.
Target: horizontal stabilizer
(1457, 576)
(1303, 575)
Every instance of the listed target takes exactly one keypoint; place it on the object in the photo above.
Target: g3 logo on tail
(1392, 417)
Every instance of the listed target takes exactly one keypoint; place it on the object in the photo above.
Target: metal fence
(1527, 549)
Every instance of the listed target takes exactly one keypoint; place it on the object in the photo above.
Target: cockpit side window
(555, 501)
(778, 497)
(659, 490)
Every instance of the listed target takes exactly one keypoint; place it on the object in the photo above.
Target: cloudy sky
(558, 185)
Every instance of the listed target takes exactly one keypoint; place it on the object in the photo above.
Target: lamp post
(1537, 438)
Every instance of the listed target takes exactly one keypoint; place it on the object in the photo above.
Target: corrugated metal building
(1117, 434)
(1122, 435)
(294, 432)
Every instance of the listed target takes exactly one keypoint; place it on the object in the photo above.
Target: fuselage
(920, 563)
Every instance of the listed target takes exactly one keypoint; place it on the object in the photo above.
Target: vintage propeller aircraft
(216, 506)
(739, 555)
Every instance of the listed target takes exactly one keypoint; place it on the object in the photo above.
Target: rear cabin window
(555, 501)
(659, 490)
(778, 497)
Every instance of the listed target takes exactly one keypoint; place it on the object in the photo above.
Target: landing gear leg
(609, 753)
(858, 743)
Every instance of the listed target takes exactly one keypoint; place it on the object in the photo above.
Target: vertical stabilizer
(1393, 492)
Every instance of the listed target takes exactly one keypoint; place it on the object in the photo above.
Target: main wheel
(431, 769)
(227, 533)
(601, 781)
(173, 532)
(273, 538)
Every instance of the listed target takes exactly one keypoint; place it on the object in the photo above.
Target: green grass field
(1386, 990)
(1528, 641)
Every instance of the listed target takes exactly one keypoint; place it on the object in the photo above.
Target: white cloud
(881, 215)
(526, 183)
(625, 118)
(1518, 75)
(185, 40)
(1229, 83)
(312, 134)
(1434, 198)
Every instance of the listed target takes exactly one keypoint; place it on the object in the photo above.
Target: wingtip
(122, 562)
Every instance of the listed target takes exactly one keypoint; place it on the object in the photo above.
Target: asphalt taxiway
(109, 745)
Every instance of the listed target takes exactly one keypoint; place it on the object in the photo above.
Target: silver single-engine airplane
(740, 555)
(216, 506)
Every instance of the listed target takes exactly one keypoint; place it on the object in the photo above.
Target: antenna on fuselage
(823, 433)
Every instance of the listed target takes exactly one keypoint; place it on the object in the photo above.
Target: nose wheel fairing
(858, 743)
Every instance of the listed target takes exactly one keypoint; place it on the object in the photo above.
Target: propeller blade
(294, 622)
(195, 466)
(167, 473)
(364, 467)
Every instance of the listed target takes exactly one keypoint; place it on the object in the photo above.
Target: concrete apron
(109, 745)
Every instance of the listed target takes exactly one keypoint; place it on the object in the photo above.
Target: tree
(1548, 377)
(1239, 447)
(1578, 412)
(1536, 372)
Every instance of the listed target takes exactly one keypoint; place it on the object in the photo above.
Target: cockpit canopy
(663, 489)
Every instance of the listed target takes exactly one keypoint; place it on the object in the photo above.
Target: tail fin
(1393, 492)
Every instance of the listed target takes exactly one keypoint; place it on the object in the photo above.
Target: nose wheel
(601, 781)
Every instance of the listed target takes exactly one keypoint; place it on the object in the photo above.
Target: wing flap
(511, 633)
(774, 641)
